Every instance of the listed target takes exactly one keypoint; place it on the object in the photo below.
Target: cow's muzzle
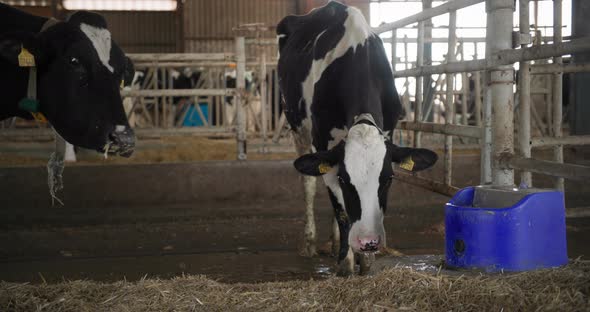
(121, 142)
(369, 244)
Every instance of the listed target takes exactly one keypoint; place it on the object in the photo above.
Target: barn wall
(143, 32)
(208, 25)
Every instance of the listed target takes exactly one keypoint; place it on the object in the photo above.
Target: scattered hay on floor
(565, 289)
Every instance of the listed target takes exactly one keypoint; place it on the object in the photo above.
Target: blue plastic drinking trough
(505, 229)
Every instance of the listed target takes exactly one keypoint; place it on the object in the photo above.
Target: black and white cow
(342, 104)
(80, 71)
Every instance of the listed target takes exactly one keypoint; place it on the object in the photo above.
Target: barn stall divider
(496, 133)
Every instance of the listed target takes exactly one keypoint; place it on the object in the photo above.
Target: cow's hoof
(309, 251)
(344, 269)
(391, 252)
(326, 249)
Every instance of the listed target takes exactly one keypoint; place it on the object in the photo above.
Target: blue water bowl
(505, 229)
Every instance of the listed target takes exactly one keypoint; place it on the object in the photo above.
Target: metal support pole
(263, 101)
(477, 91)
(450, 109)
(524, 81)
(557, 90)
(406, 63)
(499, 37)
(419, 82)
(393, 49)
(240, 86)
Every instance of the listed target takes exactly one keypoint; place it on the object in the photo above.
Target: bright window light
(120, 5)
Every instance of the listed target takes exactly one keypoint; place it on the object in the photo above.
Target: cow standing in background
(80, 71)
(342, 105)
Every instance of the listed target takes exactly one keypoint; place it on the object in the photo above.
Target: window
(120, 5)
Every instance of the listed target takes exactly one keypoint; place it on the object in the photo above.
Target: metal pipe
(450, 107)
(419, 83)
(464, 95)
(524, 85)
(559, 68)
(448, 7)
(499, 35)
(177, 92)
(550, 168)
(197, 64)
(240, 46)
(179, 57)
(506, 56)
(393, 49)
(263, 98)
(567, 140)
(447, 129)
(557, 91)
(430, 185)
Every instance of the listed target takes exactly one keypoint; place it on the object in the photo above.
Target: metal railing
(496, 132)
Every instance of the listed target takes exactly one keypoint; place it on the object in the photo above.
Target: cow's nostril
(371, 244)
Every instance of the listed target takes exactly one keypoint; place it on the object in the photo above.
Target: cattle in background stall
(341, 102)
(80, 71)
(252, 105)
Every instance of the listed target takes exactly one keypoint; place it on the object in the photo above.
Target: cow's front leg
(335, 237)
(346, 263)
(309, 248)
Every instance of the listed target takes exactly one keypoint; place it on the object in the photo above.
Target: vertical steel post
(393, 49)
(477, 90)
(524, 85)
(419, 81)
(263, 103)
(557, 90)
(464, 89)
(499, 37)
(240, 86)
(449, 98)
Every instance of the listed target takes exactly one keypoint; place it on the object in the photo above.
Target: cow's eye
(74, 61)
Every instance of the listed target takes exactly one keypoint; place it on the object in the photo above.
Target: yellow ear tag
(324, 168)
(407, 164)
(39, 117)
(25, 58)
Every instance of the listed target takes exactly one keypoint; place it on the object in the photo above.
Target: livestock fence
(495, 131)
(153, 104)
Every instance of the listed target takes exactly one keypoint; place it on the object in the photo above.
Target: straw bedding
(396, 289)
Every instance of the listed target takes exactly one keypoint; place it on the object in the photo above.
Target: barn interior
(209, 204)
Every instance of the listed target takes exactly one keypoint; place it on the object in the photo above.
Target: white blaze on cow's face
(101, 41)
(362, 183)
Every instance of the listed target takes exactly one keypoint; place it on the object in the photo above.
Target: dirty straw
(565, 289)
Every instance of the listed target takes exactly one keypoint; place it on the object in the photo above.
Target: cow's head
(80, 73)
(362, 163)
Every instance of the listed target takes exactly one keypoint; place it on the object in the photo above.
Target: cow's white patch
(101, 40)
(363, 158)
(120, 128)
(331, 178)
(357, 31)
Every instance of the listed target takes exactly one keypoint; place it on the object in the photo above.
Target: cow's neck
(15, 89)
(12, 19)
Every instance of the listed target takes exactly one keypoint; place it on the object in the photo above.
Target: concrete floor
(232, 221)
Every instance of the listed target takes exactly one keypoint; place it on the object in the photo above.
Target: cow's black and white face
(80, 73)
(358, 172)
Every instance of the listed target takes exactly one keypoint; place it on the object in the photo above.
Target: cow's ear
(284, 30)
(319, 163)
(412, 159)
(12, 44)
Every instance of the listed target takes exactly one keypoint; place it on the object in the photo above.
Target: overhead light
(120, 5)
